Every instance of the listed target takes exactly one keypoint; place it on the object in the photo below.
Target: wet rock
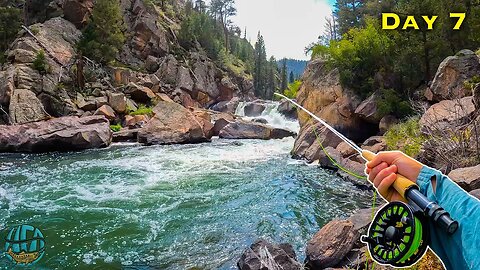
(287, 109)
(219, 125)
(451, 75)
(367, 110)
(475, 193)
(59, 134)
(260, 120)
(25, 107)
(171, 124)
(263, 255)
(254, 109)
(447, 114)
(330, 245)
(126, 135)
(117, 101)
(139, 93)
(106, 111)
(386, 123)
(307, 145)
(356, 173)
(250, 130)
(467, 178)
(325, 158)
(227, 106)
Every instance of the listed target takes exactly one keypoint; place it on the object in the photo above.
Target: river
(168, 207)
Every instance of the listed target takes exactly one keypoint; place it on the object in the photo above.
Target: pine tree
(292, 77)
(223, 10)
(103, 38)
(283, 75)
(260, 67)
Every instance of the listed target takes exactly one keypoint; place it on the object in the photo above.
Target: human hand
(382, 171)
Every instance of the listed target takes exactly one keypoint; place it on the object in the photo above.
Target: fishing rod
(398, 235)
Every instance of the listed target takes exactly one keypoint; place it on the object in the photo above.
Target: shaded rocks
(172, 123)
(263, 255)
(330, 245)
(287, 109)
(59, 134)
(467, 178)
(227, 106)
(126, 135)
(375, 144)
(447, 114)
(139, 93)
(451, 75)
(77, 11)
(251, 130)
(255, 108)
(386, 123)
(367, 110)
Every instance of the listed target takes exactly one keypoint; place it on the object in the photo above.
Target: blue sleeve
(462, 249)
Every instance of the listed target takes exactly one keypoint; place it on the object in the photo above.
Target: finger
(387, 157)
(374, 171)
(384, 173)
(384, 187)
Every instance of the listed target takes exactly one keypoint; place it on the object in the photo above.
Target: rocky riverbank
(449, 116)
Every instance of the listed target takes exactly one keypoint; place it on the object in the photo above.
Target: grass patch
(406, 137)
(142, 110)
(116, 128)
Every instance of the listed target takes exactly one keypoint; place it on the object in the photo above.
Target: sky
(287, 26)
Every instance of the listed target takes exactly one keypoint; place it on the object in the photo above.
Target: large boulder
(447, 114)
(307, 144)
(330, 245)
(139, 93)
(467, 178)
(322, 94)
(255, 108)
(172, 124)
(287, 109)
(263, 255)
(227, 106)
(59, 134)
(452, 74)
(367, 110)
(25, 107)
(117, 101)
(252, 130)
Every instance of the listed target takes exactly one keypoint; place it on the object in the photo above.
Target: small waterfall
(271, 114)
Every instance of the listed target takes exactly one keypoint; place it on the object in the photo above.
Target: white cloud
(287, 26)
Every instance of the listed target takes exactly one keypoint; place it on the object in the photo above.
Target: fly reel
(397, 235)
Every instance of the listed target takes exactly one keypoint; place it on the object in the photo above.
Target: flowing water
(168, 207)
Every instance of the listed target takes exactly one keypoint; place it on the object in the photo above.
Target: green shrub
(292, 89)
(390, 102)
(40, 63)
(406, 137)
(470, 84)
(142, 110)
(116, 128)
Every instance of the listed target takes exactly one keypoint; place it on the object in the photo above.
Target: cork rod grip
(402, 184)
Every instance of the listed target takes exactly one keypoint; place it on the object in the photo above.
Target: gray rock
(386, 123)
(118, 102)
(251, 130)
(367, 110)
(287, 109)
(447, 114)
(254, 109)
(126, 135)
(59, 134)
(451, 75)
(307, 145)
(467, 178)
(171, 124)
(25, 107)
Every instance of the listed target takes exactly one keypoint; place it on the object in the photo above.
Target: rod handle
(401, 184)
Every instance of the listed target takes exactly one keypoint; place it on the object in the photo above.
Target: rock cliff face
(322, 94)
(150, 53)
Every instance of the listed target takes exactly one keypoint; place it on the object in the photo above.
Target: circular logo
(24, 244)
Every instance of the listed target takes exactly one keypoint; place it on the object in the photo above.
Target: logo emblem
(24, 245)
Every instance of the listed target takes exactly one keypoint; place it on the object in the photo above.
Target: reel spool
(397, 235)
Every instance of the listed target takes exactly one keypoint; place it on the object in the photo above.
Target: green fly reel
(397, 236)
